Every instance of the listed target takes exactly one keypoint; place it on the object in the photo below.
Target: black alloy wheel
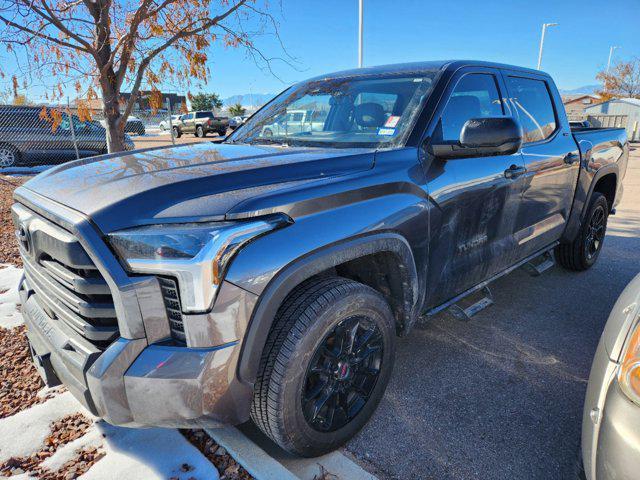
(342, 374)
(595, 232)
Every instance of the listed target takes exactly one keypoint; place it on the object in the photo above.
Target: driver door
(477, 198)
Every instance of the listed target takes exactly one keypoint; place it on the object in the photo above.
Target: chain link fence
(38, 137)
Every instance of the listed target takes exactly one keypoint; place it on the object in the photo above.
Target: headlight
(196, 254)
(629, 374)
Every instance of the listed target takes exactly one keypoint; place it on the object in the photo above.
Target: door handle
(514, 171)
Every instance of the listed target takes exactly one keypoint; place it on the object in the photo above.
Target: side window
(475, 96)
(535, 108)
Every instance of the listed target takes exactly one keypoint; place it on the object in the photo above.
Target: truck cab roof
(425, 66)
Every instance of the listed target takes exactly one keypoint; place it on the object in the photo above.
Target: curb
(264, 460)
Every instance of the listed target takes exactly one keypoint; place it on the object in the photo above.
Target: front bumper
(143, 378)
(136, 384)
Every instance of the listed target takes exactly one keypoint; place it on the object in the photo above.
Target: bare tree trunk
(113, 120)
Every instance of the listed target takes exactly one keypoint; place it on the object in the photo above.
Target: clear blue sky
(322, 36)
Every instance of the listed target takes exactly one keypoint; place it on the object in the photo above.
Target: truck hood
(187, 182)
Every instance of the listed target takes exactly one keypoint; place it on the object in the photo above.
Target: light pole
(544, 30)
(360, 38)
(611, 50)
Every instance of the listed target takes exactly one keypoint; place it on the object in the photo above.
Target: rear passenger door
(188, 124)
(477, 198)
(551, 158)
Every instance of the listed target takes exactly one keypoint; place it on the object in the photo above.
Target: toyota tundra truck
(267, 277)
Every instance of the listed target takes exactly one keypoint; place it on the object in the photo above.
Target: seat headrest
(369, 115)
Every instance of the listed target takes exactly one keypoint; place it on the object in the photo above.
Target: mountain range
(585, 89)
(248, 99)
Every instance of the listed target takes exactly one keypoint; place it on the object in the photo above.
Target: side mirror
(483, 137)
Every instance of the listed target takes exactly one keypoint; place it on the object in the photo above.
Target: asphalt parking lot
(501, 397)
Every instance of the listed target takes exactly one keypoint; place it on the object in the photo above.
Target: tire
(176, 132)
(200, 133)
(296, 374)
(267, 133)
(9, 155)
(222, 133)
(583, 252)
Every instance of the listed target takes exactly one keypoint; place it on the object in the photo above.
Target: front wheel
(325, 365)
(583, 252)
(176, 132)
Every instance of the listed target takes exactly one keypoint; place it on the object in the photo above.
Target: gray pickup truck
(267, 277)
(201, 123)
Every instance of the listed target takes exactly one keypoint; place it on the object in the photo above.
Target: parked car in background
(165, 124)
(201, 123)
(286, 274)
(134, 125)
(235, 122)
(611, 420)
(29, 138)
(295, 121)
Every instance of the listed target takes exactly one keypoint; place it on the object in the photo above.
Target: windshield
(357, 111)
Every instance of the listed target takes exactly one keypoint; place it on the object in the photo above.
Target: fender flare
(583, 193)
(306, 267)
(609, 169)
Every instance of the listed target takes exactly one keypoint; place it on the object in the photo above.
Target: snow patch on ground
(154, 453)
(24, 433)
(9, 300)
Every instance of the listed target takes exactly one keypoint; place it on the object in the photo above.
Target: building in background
(576, 104)
(618, 112)
(178, 102)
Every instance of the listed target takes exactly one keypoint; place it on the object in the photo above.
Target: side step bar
(539, 265)
(487, 300)
(465, 314)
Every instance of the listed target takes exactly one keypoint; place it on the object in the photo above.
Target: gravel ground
(501, 397)
(8, 249)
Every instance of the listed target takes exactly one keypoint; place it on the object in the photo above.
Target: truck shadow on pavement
(501, 396)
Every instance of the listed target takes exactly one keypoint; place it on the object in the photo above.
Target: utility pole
(360, 37)
(611, 50)
(544, 30)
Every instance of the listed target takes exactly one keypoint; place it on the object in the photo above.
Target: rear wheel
(9, 156)
(325, 366)
(583, 252)
(200, 133)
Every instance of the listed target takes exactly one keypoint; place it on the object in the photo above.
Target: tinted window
(204, 114)
(535, 108)
(475, 96)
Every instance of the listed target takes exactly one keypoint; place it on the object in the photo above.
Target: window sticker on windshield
(386, 131)
(392, 121)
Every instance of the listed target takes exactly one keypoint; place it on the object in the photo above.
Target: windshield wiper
(268, 141)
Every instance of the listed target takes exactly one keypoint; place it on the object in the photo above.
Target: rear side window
(475, 96)
(204, 114)
(535, 108)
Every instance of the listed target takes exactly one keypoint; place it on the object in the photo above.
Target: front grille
(171, 298)
(67, 285)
